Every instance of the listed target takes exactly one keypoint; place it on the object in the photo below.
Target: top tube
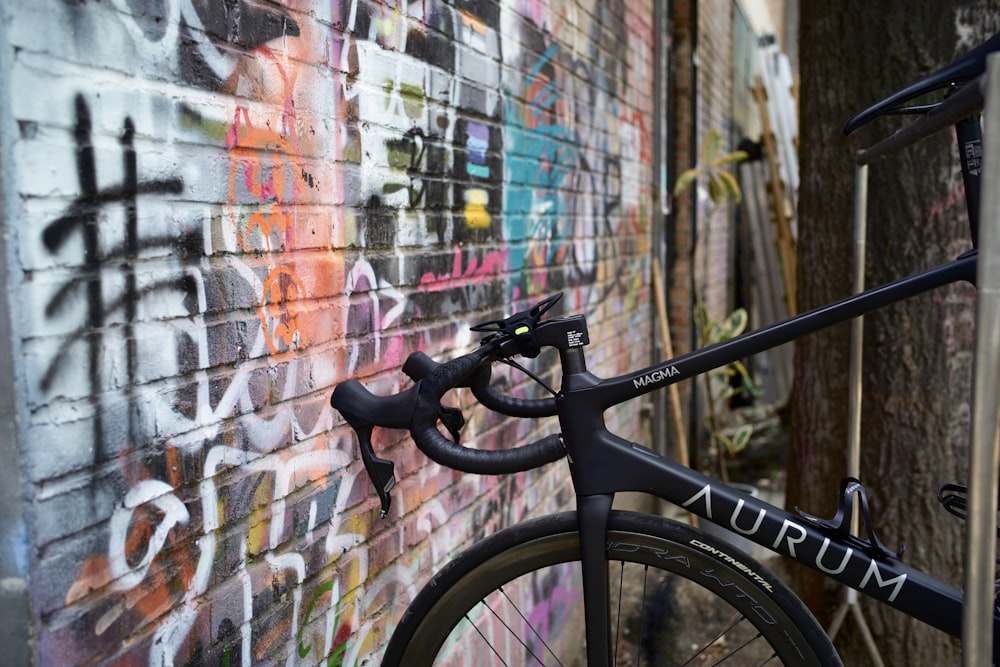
(612, 391)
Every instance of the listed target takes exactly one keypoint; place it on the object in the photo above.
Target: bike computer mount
(519, 327)
(529, 334)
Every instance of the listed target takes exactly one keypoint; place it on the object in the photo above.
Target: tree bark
(917, 368)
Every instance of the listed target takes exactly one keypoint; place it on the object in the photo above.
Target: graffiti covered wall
(219, 209)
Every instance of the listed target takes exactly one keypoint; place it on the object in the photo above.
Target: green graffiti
(336, 658)
(411, 94)
(400, 153)
(413, 100)
(192, 119)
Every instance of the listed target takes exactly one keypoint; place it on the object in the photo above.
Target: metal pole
(977, 612)
(850, 604)
(857, 329)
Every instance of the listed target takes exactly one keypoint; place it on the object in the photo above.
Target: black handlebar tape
(440, 449)
(357, 404)
(418, 365)
(509, 405)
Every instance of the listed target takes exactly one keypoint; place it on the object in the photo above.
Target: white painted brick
(203, 381)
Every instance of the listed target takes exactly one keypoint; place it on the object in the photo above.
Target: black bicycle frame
(602, 464)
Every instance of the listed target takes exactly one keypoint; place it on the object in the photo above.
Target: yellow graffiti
(476, 215)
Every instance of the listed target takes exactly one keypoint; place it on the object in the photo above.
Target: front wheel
(678, 597)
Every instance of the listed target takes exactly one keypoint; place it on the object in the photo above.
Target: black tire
(702, 600)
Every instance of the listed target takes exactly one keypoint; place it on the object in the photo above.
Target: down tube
(885, 579)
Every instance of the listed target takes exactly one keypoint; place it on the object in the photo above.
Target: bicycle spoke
(528, 625)
(713, 641)
(487, 641)
(670, 608)
(645, 634)
(740, 648)
(511, 630)
(642, 612)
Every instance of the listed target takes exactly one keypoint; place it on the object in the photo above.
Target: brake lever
(452, 419)
(363, 410)
(382, 472)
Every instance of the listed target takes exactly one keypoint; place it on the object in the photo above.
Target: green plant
(719, 385)
(724, 383)
(721, 184)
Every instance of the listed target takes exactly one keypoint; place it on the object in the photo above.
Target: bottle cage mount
(840, 524)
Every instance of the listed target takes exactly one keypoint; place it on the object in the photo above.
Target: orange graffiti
(165, 583)
(270, 177)
(272, 170)
(279, 311)
(637, 120)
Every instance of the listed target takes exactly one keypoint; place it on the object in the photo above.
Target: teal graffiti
(540, 155)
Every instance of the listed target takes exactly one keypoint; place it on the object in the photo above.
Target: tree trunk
(917, 372)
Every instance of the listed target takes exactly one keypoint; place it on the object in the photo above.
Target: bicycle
(475, 597)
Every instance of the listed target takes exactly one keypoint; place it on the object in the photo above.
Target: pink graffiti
(492, 264)
(554, 605)
(944, 205)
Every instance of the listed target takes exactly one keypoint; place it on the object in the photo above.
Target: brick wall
(216, 211)
(714, 260)
(702, 249)
(700, 244)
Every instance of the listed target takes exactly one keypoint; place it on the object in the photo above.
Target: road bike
(632, 569)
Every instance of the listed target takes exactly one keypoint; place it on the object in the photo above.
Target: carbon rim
(677, 597)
